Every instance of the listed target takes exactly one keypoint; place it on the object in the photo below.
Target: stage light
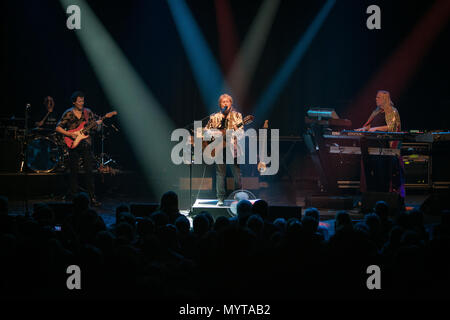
(271, 93)
(146, 125)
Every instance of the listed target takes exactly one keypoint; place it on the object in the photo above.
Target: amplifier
(417, 161)
(441, 169)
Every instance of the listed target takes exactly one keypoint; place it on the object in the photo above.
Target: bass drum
(42, 155)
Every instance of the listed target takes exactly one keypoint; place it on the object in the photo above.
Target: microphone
(225, 110)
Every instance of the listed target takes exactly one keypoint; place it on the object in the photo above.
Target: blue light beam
(206, 71)
(281, 78)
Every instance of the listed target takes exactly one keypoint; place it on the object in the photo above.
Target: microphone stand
(24, 146)
(103, 153)
(102, 147)
(191, 163)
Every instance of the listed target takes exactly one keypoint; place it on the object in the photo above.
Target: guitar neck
(91, 125)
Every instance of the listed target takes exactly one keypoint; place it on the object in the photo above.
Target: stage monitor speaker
(61, 210)
(143, 209)
(436, 203)
(285, 212)
(369, 199)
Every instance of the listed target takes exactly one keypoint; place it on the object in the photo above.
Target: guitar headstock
(248, 119)
(110, 114)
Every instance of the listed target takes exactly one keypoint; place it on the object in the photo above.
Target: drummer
(47, 119)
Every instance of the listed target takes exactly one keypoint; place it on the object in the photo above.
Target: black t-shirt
(49, 123)
(379, 120)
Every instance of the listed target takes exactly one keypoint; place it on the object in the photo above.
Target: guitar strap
(85, 115)
(223, 123)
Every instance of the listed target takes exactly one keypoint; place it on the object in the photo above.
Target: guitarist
(72, 119)
(227, 119)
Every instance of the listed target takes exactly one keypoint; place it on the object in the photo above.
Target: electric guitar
(83, 131)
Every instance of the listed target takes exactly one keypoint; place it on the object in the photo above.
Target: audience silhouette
(160, 256)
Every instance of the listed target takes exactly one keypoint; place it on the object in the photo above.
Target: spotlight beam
(145, 123)
(398, 69)
(268, 98)
(206, 71)
(248, 57)
(228, 42)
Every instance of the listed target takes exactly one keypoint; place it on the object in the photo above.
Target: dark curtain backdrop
(40, 57)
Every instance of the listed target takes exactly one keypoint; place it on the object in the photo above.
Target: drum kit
(45, 151)
(40, 150)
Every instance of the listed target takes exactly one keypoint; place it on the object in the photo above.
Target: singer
(71, 119)
(227, 119)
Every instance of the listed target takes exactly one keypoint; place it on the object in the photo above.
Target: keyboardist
(385, 117)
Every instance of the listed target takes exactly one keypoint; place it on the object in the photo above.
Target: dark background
(40, 57)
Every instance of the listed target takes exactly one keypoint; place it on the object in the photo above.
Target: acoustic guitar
(247, 120)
